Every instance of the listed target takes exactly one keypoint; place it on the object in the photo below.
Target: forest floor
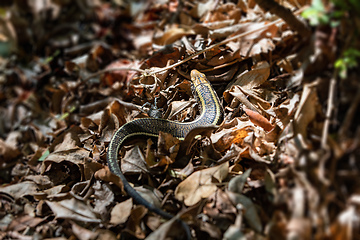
(283, 163)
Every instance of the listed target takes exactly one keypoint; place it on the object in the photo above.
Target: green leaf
(316, 14)
(349, 60)
(65, 115)
(45, 154)
(50, 58)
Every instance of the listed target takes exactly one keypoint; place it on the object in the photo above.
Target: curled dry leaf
(306, 111)
(200, 184)
(106, 175)
(103, 196)
(50, 192)
(134, 223)
(177, 107)
(259, 120)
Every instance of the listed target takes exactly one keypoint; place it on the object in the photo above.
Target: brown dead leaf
(259, 120)
(21, 223)
(220, 58)
(82, 233)
(67, 140)
(134, 161)
(276, 229)
(7, 152)
(233, 154)
(106, 175)
(306, 111)
(169, 230)
(91, 167)
(104, 197)
(112, 77)
(231, 134)
(190, 138)
(99, 57)
(175, 108)
(109, 123)
(76, 156)
(62, 171)
(20, 190)
(118, 110)
(300, 227)
(73, 209)
(200, 184)
(134, 223)
(254, 78)
(168, 145)
(220, 208)
(226, 11)
(246, 27)
(105, 119)
(262, 46)
(346, 225)
(51, 192)
(240, 97)
(171, 35)
(246, 87)
(161, 59)
(121, 212)
(285, 110)
(152, 196)
(41, 180)
(202, 8)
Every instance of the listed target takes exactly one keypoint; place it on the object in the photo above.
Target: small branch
(285, 13)
(328, 113)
